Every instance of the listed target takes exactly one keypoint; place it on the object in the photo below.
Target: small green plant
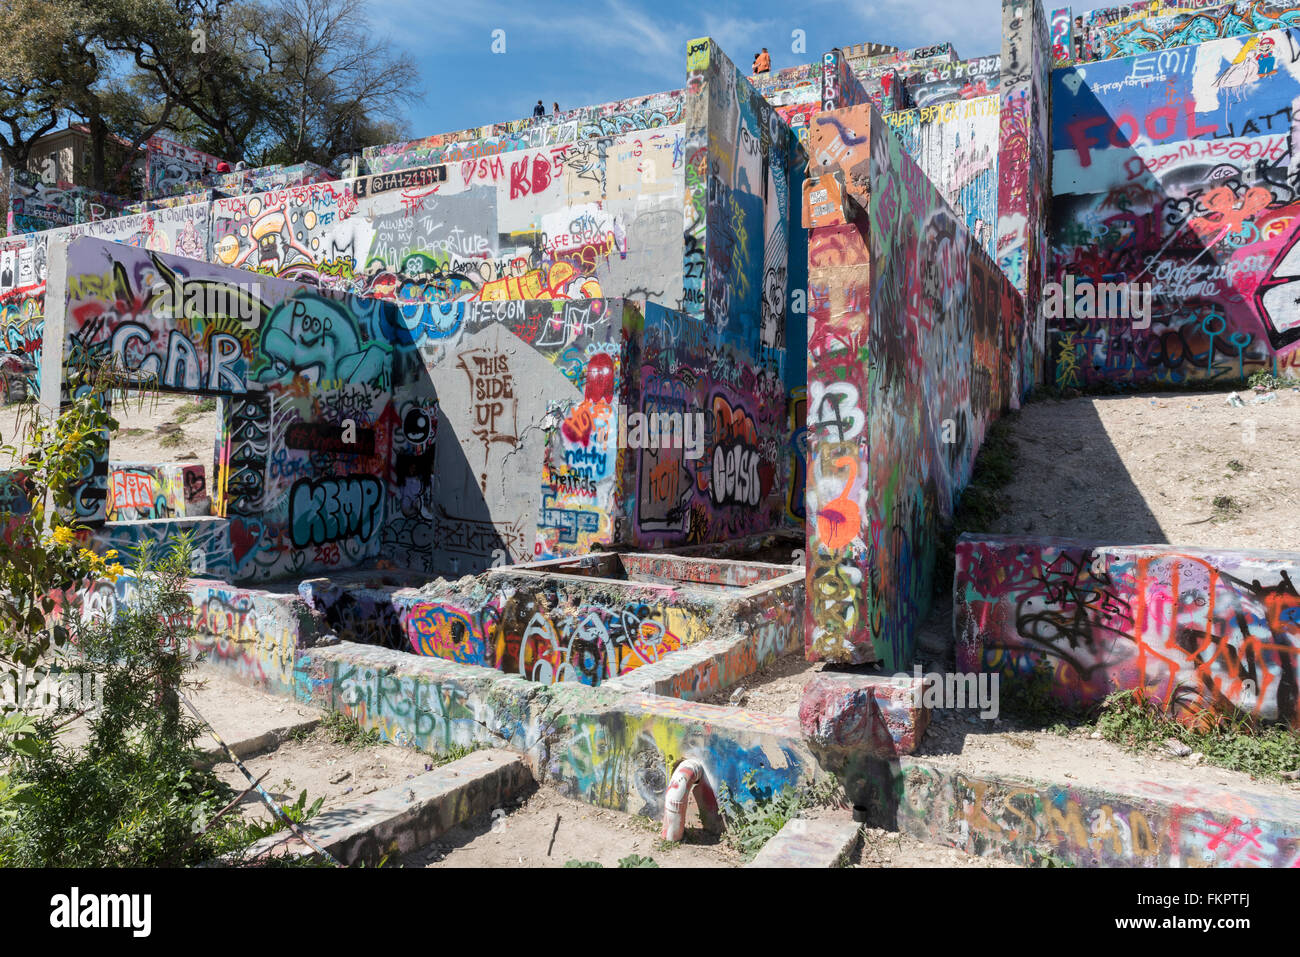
(1225, 507)
(1265, 381)
(751, 824)
(191, 410)
(134, 794)
(299, 812)
(1236, 466)
(172, 440)
(632, 860)
(1237, 742)
(343, 729)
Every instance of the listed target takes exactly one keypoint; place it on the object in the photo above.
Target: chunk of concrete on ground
(854, 713)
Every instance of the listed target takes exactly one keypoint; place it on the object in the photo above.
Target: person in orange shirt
(763, 62)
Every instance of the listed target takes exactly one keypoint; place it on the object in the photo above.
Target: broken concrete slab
(410, 815)
(822, 842)
(846, 713)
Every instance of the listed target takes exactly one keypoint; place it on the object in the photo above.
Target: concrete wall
(956, 145)
(1141, 28)
(637, 114)
(36, 204)
(1193, 195)
(483, 432)
(737, 483)
(1196, 629)
(572, 221)
(146, 490)
(527, 428)
(743, 167)
(914, 345)
(292, 366)
(172, 167)
(1023, 170)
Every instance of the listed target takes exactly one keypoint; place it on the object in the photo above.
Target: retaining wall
(1192, 629)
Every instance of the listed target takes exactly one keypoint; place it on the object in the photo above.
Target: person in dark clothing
(539, 110)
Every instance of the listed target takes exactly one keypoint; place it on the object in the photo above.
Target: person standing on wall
(539, 109)
(555, 107)
(763, 62)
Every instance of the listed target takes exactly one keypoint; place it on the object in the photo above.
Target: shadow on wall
(1175, 168)
(446, 439)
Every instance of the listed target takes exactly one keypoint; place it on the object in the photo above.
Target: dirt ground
(775, 689)
(1148, 468)
(143, 432)
(522, 837)
(237, 712)
(891, 849)
(338, 773)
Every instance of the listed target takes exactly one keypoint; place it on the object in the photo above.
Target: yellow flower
(64, 535)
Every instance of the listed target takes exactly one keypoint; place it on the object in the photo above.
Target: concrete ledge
(827, 842)
(259, 743)
(409, 815)
(1134, 823)
(611, 749)
(715, 664)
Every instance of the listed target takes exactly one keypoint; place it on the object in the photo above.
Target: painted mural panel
(172, 167)
(715, 419)
(573, 221)
(738, 208)
(637, 114)
(956, 145)
(1175, 25)
(1176, 169)
(1194, 630)
(36, 204)
(964, 80)
(303, 373)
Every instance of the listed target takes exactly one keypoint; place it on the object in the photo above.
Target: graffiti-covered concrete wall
(1192, 629)
(527, 433)
(305, 378)
(742, 165)
(35, 204)
(639, 114)
(914, 344)
(447, 438)
(731, 479)
(1176, 169)
(1143, 27)
(575, 221)
(1023, 167)
(598, 617)
(956, 145)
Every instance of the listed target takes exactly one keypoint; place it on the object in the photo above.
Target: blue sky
(603, 50)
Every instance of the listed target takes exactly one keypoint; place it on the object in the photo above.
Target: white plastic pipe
(689, 776)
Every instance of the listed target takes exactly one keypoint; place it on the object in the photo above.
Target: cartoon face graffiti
(315, 338)
(600, 378)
